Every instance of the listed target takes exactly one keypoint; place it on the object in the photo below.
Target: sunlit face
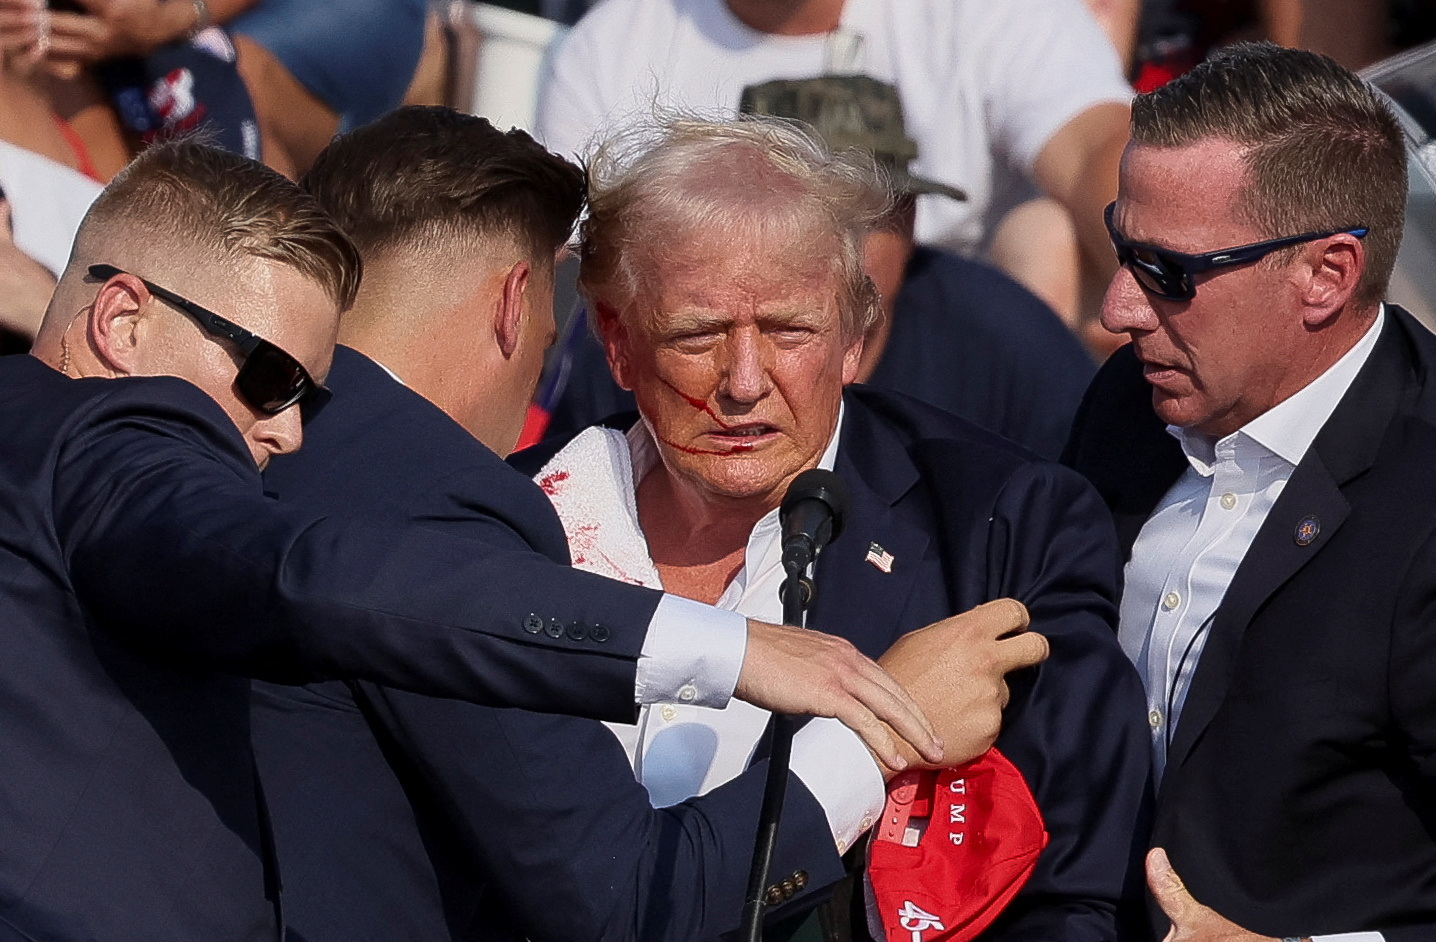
(1221, 359)
(738, 364)
(267, 298)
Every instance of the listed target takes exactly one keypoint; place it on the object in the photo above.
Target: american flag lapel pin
(880, 558)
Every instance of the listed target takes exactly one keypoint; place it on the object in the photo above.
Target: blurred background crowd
(1001, 123)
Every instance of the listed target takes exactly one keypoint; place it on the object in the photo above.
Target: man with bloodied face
(723, 267)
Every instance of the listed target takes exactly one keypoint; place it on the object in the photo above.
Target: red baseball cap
(953, 847)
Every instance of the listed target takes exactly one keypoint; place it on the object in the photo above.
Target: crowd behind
(1083, 300)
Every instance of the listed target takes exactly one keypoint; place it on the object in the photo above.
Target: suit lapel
(1159, 461)
(856, 599)
(1274, 557)
(1302, 522)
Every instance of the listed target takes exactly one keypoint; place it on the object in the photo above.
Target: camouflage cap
(849, 111)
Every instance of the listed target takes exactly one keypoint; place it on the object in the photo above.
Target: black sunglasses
(269, 379)
(1167, 274)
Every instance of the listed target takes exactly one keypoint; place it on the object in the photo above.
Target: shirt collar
(1288, 428)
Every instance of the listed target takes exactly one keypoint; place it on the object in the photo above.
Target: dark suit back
(142, 571)
(127, 792)
(405, 817)
(1300, 792)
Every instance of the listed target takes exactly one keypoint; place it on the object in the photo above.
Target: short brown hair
(1322, 149)
(212, 198)
(427, 172)
(651, 177)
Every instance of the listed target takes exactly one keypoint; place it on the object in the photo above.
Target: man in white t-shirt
(1005, 100)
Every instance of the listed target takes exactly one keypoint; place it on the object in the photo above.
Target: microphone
(811, 516)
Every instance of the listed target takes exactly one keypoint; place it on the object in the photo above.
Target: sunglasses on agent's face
(269, 379)
(1171, 275)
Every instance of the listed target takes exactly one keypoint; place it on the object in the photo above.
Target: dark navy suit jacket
(404, 817)
(143, 574)
(970, 517)
(1299, 796)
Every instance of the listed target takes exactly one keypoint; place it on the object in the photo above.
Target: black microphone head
(820, 485)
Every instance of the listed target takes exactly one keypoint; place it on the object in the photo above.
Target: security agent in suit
(145, 574)
(1265, 443)
(453, 821)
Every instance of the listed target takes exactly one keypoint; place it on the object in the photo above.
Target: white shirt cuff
(1350, 937)
(837, 768)
(692, 654)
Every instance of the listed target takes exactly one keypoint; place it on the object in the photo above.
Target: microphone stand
(797, 594)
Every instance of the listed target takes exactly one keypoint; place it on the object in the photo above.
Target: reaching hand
(956, 669)
(793, 670)
(1191, 921)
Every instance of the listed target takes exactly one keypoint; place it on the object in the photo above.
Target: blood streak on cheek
(702, 406)
(735, 448)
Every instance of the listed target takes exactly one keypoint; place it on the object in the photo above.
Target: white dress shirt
(1190, 548)
(684, 749)
(692, 652)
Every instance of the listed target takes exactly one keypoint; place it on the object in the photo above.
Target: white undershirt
(1190, 548)
(681, 750)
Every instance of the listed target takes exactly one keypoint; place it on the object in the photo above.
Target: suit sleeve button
(576, 631)
(599, 633)
(788, 889)
(800, 878)
(774, 896)
(533, 624)
(554, 629)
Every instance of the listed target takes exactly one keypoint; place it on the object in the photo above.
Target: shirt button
(687, 692)
(1229, 500)
(867, 822)
(1171, 600)
(668, 713)
(1155, 719)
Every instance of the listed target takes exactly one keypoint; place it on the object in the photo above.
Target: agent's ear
(616, 343)
(1336, 266)
(508, 318)
(113, 326)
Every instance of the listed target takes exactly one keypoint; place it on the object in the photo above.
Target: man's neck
(447, 375)
(788, 17)
(697, 543)
(1304, 368)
